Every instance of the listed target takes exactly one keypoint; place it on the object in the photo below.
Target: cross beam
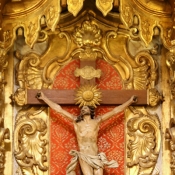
(66, 97)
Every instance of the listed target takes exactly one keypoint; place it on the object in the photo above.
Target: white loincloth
(96, 162)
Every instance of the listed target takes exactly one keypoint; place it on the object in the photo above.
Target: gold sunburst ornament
(88, 95)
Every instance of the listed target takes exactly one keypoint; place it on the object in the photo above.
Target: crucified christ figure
(86, 128)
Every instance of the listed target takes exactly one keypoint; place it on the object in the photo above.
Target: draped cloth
(95, 162)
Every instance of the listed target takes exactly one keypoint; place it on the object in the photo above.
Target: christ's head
(86, 110)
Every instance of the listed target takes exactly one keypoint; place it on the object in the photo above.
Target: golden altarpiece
(51, 44)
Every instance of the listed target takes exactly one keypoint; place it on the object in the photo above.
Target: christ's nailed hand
(40, 95)
(134, 99)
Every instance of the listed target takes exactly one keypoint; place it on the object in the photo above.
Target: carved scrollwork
(134, 33)
(144, 142)
(30, 145)
(170, 61)
(4, 47)
(29, 74)
(4, 132)
(118, 61)
(58, 60)
(170, 137)
(148, 66)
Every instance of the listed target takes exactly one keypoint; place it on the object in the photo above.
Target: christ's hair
(92, 113)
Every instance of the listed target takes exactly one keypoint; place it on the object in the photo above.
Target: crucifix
(108, 97)
(86, 126)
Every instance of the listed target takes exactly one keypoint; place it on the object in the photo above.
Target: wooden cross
(67, 97)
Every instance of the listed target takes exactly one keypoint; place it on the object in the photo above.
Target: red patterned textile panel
(62, 135)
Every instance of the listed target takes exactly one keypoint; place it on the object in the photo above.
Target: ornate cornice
(136, 15)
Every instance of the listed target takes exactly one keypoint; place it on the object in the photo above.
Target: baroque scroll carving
(28, 75)
(145, 75)
(170, 137)
(4, 132)
(170, 61)
(145, 28)
(30, 143)
(144, 142)
(37, 17)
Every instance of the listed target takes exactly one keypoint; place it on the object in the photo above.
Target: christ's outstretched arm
(118, 109)
(54, 106)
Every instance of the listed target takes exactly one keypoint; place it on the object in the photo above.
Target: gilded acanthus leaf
(30, 147)
(144, 142)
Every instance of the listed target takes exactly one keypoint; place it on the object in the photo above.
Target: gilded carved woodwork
(170, 61)
(31, 27)
(170, 138)
(105, 6)
(88, 37)
(143, 142)
(4, 135)
(145, 75)
(145, 27)
(88, 73)
(155, 98)
(137, 72)
(74, 6)
(29, 141)
(4, 132)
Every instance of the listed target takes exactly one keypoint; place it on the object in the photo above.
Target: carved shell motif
(87, 35)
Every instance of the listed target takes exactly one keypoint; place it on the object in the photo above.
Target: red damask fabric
(111, 134)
